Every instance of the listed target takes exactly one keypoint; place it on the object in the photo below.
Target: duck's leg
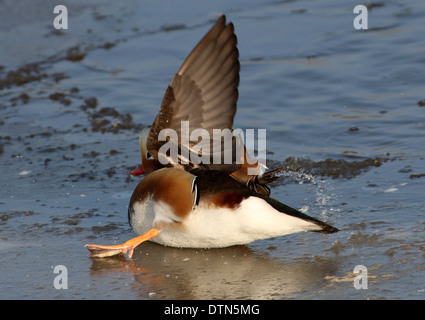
(128, 246)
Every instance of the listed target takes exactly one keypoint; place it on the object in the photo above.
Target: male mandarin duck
(204, 205)
(204, 93)
(205, 209)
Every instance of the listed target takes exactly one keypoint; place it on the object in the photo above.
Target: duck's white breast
(208, 227)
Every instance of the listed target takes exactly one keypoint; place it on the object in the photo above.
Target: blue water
(323, 90)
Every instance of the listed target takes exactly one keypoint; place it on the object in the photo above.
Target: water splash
(325, 198)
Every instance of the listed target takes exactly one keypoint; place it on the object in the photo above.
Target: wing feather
(204, 91)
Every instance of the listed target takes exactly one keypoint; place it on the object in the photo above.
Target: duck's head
(149, 163)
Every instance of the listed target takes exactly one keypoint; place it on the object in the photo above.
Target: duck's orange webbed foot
(101, 251)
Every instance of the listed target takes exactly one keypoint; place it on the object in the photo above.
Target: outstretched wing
(203, 92)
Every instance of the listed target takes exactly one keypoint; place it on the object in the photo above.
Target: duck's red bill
(138, 171)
